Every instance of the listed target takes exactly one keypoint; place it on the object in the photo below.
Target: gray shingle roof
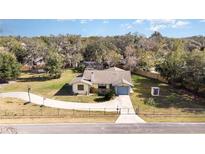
(80, 79)
(112, 75)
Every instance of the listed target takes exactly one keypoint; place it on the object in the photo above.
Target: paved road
(122, 102)
(146, 128)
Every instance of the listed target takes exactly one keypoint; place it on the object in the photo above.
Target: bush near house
(109, 95)
(93, 90)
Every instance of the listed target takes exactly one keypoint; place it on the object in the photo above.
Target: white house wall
(85, 91)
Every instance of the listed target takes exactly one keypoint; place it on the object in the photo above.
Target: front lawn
(56, 88)
(17, 111)
(173, 105)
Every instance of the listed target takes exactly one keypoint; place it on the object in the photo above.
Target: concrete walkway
(127, 111)
(121, 103)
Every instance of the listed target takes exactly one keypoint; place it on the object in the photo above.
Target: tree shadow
(34, 78)
(3, 81)
(66, 90)
(100, 99)
(26, 103)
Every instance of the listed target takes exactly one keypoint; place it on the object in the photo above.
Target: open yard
(173, 105)
(56, 88)
(17, 111)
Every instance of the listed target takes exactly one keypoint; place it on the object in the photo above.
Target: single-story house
(103, 81)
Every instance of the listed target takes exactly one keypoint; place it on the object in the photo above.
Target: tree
(14, 46)
(70, 47)
(18, 49)
(195, 70)
(53, 65)
(99, 51)
(95, 52)
(147, 60)
(172, 67)
(9, 67)
(130, 57)
(36, 50)
(112, 58)
(76, 59)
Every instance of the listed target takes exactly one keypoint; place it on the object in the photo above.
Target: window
(102, 86)
(80, 87)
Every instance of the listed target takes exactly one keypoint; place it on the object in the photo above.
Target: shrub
(93, 90)
(109, 95)
(150, 101)
(171, 98)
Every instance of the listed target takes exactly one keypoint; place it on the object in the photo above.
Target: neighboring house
(103, 80)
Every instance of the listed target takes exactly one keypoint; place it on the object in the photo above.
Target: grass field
(17, 111)
(56, 88)
(171, 101)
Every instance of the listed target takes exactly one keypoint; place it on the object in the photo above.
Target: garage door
(122, 90)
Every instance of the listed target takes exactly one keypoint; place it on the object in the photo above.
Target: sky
(102, 27)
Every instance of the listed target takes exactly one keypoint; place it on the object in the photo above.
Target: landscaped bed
(17, 111)
(173, 105)
(58, 89)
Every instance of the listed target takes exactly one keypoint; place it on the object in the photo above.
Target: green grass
(171, 101)
(174, 119)
(39, 84)
(56, 88)
(17, 111)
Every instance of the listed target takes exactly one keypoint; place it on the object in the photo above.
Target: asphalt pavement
(104, 128)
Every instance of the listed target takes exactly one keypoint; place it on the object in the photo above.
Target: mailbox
(155, 91)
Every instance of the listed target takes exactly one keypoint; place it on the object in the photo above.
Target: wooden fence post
(58, 112)
(73, 112)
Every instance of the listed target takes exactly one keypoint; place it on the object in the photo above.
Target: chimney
(92, 76)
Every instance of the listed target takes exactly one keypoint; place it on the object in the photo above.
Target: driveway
(39, 100)
(121, 103)
(127, 111)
